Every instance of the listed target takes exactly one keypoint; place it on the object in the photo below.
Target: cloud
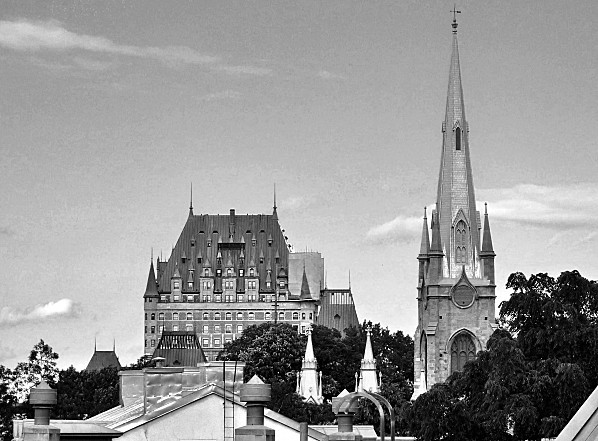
(554, 207)
(34, 36)
(6, 353)
(326, 75)
(63, 308)
(6, 231)
(401, 229)
(224, 95)
(295, 203)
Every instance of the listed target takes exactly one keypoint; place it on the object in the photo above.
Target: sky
(110, 109)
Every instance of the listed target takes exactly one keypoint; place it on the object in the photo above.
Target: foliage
(83, 394)
(525, 387)
(7, 401)
(41, 365)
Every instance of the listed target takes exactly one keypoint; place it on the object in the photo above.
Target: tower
(309, 383)
(368, 380)
(456, 286)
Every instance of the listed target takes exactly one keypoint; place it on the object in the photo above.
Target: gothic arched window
(461, 242)
(458, 138)
(462, 351)
(423, 355)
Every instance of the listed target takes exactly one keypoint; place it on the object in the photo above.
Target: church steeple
(455, 202)
(309, 381)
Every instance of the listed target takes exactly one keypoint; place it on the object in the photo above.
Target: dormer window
(206, 272)
(176, 284)
(253, 242)
(241, 272)
(190, 285)
(218, 272)
(281, 284)
(268, 284)
(251, 272)
(229, 272)
(209, 242)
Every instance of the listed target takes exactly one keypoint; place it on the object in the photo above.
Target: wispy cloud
(224, 95)
(326, 75)
(6, 231)
(293, 203)
(34, 36)
(63, 308)
(401, 229)
(562, 206)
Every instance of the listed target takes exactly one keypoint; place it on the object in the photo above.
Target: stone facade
(456, 285)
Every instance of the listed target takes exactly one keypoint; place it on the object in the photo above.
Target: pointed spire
(191, 201)
(274, 213)
(95, 343)
(487, 247)
(436, 247)
(151, 289)
(424, 248)
(113, 344)
(349, 279)
(368, 354)
(305, 292)
(309, 348)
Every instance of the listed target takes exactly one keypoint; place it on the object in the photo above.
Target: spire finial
(349, 278)
(191, 201)
(425, 212)
(455, 12)
(485, 208)
(113, 344)
(95, 343)
(275, 196)
(274, 213)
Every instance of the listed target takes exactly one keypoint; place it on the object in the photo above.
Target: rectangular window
(218, 272)
(190, 285)
(241, 272)
(205, 342)
(176, 297)
(216, 342)
(162, 298)
(217, 298)
(175, 327)
(205, 329)
(217, 329)
(239, 329)
(240, 298)
(228, 298)
(176, 285)
(228, 340)
(207, 298)
(161, 329)
(153, 330)
(153, 343)
(189, 327)
(228, 329)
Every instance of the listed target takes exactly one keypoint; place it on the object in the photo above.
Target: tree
(41, 365)
(7, 401)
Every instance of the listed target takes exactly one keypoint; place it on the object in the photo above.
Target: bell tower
(456, 286)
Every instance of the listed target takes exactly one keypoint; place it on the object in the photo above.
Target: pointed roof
(103, 359)
(191, 202)
(309, 348)
(177, 273)
(487, 247)
(436, 247)
(368, 354)
(305, 292)
(180, 348)
(455, 183)
(151, 290)
(274, 213)
(424, 248)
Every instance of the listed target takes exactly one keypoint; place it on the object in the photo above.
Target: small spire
(368, 354)
(95, 344)
(191, 201)
(305, 292)
(424, 248)
(309, 348)
(113, 344)
(151, 289)
(487, 247)
(436, 240)
(349, 279)
(274, 213)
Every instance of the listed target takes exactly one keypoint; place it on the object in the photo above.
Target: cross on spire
(455, 12)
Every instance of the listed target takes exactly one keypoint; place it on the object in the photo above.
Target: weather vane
(455, 12)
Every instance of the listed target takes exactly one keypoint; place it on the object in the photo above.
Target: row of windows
(205, 329)
(228, 316)
(228, 298)
(228, 284)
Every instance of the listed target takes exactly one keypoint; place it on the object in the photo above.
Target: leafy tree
(83, 394)
(7, 401)
(41, 365)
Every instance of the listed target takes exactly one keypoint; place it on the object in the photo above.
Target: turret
(309, 382)
(435, 254)
(368, 379)
(487, 254)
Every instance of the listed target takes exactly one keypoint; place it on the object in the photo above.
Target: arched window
(229, 316)
(423, 355)
(239, 316)
(206, 316)
(268, 316)
(161, 316)
(251, 316)
(153, 316)
(216, 316)
(458, 138)
(462, 351)
(303, 316)
(175, 315)
(189, 316)
(295, 316)
(461, 243)
(281, 316)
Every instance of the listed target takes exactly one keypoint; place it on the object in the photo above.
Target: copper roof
(103, 359)
(180, 348)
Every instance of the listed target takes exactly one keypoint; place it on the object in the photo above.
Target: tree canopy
(536, 372)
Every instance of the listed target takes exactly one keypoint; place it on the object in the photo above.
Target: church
(456, 284)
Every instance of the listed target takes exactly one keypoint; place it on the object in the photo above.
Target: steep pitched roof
(103, 359)
(151, 289)
(180, 348)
